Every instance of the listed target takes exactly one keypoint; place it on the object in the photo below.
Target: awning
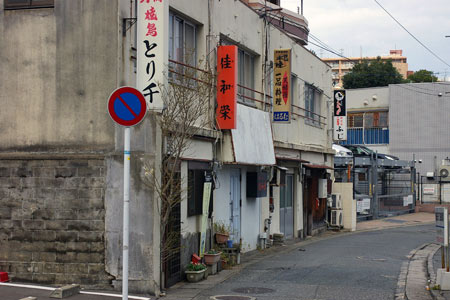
(292, 159)
(312, 166)
(252, 138)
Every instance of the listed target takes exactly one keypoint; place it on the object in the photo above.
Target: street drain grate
(232, 297)
(253, 290)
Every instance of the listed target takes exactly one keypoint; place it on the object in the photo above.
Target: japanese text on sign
(151, 49)
(226, 87)
(282, 85)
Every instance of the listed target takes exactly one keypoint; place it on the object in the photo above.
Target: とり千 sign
(226, 87)
(282, 86)
(152, 49)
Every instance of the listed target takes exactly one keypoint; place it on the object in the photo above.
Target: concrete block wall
(52, 220)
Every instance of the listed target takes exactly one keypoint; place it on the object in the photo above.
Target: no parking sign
(127, 106)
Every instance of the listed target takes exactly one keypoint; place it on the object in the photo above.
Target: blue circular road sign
(127, 106)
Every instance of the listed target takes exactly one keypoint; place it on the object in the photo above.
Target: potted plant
(195, 272)
(222, 233)
(212, 257)
(224, 259)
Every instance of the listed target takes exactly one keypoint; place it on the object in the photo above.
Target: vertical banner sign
(282, 86)
(226, 87)
(206, 198)
(339, 116)
(152, 49)
(441, 214)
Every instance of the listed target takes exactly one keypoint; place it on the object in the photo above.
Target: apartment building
(341, 66)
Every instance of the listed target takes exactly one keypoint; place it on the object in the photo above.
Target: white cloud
(354, 24)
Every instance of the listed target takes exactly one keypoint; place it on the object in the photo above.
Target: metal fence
(434, 190)
(381, 188)
(370, 136)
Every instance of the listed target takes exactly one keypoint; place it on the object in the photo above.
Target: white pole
(126, 212)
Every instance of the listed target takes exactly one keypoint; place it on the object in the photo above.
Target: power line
(423, 45)
(420, 92)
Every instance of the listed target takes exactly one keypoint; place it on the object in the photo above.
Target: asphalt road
(359, 266)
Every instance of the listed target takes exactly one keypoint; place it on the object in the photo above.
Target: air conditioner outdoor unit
(444, 173)
(336, 201)
(336, 218)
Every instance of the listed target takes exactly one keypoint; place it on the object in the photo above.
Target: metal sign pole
(126, 211)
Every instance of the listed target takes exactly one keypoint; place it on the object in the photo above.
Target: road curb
(415, 273)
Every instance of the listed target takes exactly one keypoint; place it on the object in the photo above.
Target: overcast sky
(355, 26)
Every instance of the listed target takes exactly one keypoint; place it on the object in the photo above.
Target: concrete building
(61, 159)
(341, 66)
(405, 120)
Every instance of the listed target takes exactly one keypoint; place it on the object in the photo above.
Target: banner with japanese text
(152, 49)
(226, 87)
(282, 86)
(339, 116)
(207, 188)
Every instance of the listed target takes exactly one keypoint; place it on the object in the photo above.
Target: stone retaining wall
(52, 220)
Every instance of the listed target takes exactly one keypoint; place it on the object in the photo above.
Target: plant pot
(224, 264)
(195, 276)
(221, 238)
(230, 244)
(211, 259)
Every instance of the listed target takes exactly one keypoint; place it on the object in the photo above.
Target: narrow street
(359, 266)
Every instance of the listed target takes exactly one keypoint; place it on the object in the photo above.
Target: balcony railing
(369, 136)
(249, 96)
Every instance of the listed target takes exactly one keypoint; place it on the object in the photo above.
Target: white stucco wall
(367, 99)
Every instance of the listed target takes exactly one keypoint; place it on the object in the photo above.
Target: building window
(182, 40)
(371, 119)
(312, 106)
(246, 76)
(196, 178)
(21, 4)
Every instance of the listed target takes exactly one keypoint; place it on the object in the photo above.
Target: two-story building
(61, 159)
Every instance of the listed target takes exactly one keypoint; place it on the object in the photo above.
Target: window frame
(312, 105)
(174, 20)
(246, 76)
(30, 4)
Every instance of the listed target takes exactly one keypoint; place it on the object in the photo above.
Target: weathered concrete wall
(141, 252)
(52, 220)
(58, 65)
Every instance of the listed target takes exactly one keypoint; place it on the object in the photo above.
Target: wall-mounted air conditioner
(335, 201)
(444, 173)
(336, 218)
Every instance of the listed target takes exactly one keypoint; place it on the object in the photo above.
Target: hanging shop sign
(282, 86)
(339, 116)
(152, 49)
(226, 87)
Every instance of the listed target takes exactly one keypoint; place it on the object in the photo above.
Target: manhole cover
(232, 297)
(253, 290)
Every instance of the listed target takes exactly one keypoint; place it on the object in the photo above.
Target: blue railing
(368, 136)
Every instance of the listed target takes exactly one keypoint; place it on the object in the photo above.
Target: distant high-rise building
(341, 66)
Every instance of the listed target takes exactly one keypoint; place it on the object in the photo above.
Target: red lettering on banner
(226, 87)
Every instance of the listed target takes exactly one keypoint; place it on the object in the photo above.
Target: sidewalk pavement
(185, 291)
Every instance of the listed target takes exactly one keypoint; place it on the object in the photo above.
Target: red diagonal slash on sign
(127, 106)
